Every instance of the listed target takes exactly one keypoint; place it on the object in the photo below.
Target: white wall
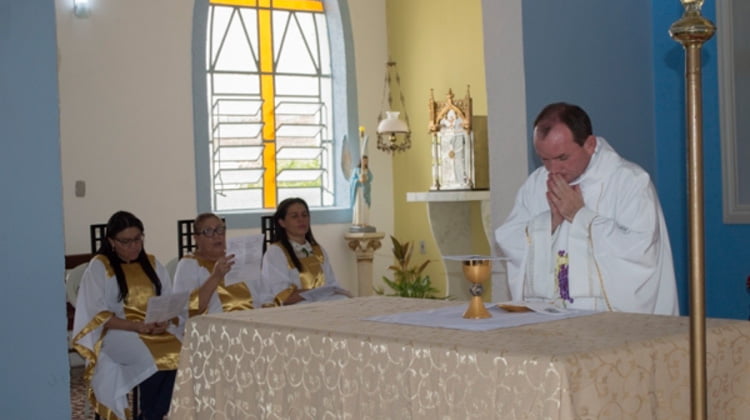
(126, 117)
(506, 121)
(126, 120)
(371, 53)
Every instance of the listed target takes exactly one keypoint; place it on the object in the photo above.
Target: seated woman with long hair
(295, 262)
(202, 272)
(121, 350)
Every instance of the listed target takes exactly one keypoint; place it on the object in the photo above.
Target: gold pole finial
(692, 27)
(692, 30)
(686, 3)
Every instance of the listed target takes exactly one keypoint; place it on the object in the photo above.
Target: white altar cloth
(452, 317)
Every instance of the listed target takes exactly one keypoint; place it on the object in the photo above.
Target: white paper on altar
(540, 307)
(473, 257)
(248, 254)
(165, 307)
(325, 293)
(452, 317)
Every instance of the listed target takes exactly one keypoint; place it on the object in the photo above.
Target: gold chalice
(477, 271)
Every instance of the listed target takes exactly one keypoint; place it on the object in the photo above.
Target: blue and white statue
(360, 182)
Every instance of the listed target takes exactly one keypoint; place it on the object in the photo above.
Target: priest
(587, 230)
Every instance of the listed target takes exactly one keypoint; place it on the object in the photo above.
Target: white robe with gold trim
(277, 275)
(190, 275)
(124, 360)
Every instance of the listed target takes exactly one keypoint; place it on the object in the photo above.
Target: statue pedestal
(364, 245)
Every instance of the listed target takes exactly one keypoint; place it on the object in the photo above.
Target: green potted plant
(408, 280)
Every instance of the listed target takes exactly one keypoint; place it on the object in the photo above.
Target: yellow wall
(437, 44)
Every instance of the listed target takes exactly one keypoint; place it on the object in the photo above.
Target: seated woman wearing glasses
(109, 329)
(295, 263)
(202, 272)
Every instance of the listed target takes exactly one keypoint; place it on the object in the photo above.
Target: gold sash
(235, 297)
(91, 358)
(164, 348)
(312, 275)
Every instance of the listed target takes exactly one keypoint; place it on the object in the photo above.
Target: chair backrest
(172, 267)
(73, 282)
(268, 229)
(185, 241)
(98, 233)
(74, 260)
(75, 265)
(185, 244)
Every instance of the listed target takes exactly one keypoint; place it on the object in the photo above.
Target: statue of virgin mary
(360, 182)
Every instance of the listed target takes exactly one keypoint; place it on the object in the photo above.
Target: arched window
(270, 128)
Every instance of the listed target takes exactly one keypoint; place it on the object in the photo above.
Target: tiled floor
(80, 407)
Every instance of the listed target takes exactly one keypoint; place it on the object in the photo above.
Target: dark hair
(116, 224)
(280, 232)
(573, 116)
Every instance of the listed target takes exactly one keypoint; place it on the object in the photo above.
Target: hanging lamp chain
(388, 97)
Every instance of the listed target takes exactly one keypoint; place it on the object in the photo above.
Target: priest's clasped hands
(564, 200)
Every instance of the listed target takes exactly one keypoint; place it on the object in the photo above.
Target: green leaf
(422, 267)
(408, 280)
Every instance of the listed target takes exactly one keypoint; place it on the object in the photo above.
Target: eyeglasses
(208, 232)
(130, 241)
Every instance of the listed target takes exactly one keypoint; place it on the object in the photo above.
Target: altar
(324, 360)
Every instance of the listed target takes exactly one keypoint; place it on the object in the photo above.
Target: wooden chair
(185, 243)
(185, 231)
(98, 233)
(268, 229)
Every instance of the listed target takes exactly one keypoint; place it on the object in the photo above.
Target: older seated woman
(203, 272)
(121, 350)
(295, 263)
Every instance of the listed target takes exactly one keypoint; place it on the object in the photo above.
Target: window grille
(269, 83)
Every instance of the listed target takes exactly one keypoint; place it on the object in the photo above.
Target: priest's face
(561, 155)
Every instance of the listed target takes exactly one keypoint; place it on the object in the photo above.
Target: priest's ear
(589, 145)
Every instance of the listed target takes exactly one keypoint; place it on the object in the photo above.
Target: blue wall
(669, 101)
(616, 59)
(34, 380)
(727, 254)
(596, 54)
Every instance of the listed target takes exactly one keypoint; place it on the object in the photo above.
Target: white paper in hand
(248, 254)
(165, 307)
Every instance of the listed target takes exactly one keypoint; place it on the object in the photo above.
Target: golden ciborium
(477, 271)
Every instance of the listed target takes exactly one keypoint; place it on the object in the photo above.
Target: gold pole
(692, 30)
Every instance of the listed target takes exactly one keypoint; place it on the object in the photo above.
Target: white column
(364, 245)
